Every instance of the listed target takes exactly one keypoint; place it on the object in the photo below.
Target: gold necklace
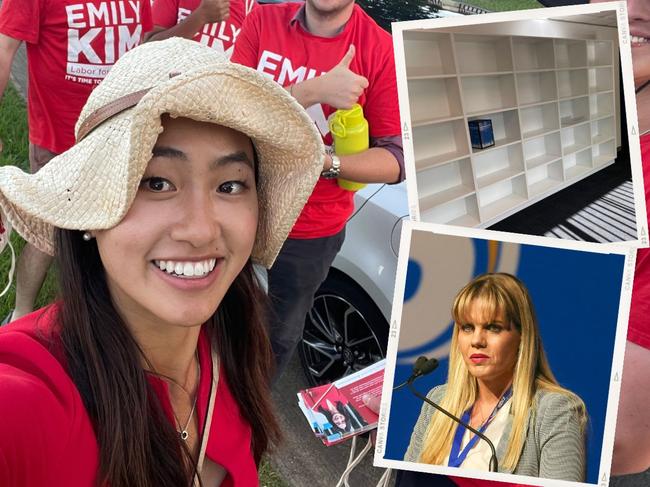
(183, 432)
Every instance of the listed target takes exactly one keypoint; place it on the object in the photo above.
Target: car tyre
(344, 331)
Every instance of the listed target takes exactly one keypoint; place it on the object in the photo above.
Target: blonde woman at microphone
(500, 383)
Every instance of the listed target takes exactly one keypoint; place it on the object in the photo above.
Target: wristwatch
(333, 172)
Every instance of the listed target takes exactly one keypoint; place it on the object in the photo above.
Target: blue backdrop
(576, 297)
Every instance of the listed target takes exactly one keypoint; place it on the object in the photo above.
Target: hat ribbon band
(102, 114)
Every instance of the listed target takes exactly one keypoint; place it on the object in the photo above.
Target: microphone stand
(494, 464)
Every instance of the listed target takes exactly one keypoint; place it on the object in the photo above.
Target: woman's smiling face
(190, 229)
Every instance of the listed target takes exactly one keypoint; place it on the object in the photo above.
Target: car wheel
(344, 331)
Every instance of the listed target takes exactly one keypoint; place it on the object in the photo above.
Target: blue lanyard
(457, 457)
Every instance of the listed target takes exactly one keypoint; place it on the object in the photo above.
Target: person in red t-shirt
(329, 55)
(214, 23)
(70, 48)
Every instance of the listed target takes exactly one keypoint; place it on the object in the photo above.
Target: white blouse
(478, 457)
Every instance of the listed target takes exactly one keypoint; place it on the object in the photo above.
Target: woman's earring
(87, 236)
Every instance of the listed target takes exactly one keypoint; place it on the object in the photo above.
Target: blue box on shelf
(481, 134)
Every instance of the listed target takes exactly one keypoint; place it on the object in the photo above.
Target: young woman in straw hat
(152, 368)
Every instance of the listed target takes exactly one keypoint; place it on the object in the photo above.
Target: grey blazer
(554, 446)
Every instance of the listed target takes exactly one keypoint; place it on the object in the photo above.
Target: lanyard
(457, 457)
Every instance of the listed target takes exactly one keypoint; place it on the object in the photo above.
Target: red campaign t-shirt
(639, 325)
(282, 50)
(219, 35)
(71, 45)
(46, 435)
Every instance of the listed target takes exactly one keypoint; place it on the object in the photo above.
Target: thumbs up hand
(340, 87)
(214, 10)
(349, 56)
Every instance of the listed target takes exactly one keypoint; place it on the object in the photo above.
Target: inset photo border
(580, 293)
(505, 115)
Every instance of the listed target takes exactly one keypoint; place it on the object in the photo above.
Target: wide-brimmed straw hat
(92, 185)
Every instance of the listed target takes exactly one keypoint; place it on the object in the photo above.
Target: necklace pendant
(184, 435)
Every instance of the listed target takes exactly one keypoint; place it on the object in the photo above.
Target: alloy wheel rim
(338, 339)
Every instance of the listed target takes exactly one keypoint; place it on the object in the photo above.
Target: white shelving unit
(552, 106)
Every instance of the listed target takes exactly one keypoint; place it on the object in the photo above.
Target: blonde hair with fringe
(500, 293)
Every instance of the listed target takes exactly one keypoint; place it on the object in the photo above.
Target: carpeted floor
(611, 218)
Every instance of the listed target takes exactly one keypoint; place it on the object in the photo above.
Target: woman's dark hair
(137, 443)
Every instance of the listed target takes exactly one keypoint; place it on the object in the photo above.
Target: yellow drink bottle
(349, 130)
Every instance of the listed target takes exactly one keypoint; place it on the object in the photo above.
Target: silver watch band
(334, 171)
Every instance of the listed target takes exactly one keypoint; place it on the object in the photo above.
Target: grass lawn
(269, 477)
(13, 132)
(504, 5)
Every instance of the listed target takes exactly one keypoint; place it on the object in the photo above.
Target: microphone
(429, 366)
(424, 366)
(419, 363)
